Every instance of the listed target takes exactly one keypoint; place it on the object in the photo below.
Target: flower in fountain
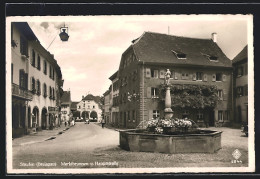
(166, 123)
(152, 123)
(159, 130)
(182, 123)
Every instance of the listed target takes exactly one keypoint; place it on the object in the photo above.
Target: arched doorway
(44, 118)
(35, 117)
(76, 114)
(93, 115)
(29, 117)
(85, 115)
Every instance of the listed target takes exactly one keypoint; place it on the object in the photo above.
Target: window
(44, 90)
(156, 114)
(53, 93)
(84, 105)
(50, 75)
(128, 116)
(179, 55)
(240, 71)
(199, 76)
(50, 92)
(210, 57)
(38, 87)
(172, 74)
(23, 79)
(88, 107)
(133, 115)
(45, 68)
(220, 115)
(33, 85)
(39, 62)
(94, 107)
(245, 90)
(155, 92)
(184, 76)
(33, 58)
(79, 107)
(53, 73)
(200, 115)
(220, 94)
(23, 46)
(218, 77)
(227, 116)
(154, 73)
(239, 91)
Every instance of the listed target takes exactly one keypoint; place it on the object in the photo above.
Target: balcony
(21, 93)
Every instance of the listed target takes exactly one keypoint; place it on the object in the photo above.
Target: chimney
(214, 37)
(82, 96)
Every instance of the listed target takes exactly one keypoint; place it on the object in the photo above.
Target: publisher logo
(236, 154)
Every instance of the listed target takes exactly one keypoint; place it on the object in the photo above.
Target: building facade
(240, 65)
(89, 108)
(36, 83)
(66, 113)
(114, 101)
(107, 106)
(201, 78)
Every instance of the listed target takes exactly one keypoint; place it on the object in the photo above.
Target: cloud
(45, 25)
(71, 74)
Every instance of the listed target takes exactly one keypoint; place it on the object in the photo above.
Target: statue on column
(167, 77)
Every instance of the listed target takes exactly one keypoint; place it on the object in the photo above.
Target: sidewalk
(40, 136)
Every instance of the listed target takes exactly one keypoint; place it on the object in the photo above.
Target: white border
(251, 138)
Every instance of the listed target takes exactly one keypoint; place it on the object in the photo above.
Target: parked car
(244, 128)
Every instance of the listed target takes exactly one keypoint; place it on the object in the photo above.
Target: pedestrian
(103, 123)
(69, 123)
(65, 123)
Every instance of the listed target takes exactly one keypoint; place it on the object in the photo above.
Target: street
(87, 144)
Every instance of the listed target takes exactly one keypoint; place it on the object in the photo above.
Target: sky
(93, 52)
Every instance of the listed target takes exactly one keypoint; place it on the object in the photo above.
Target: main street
(75, 145)
(90, 144)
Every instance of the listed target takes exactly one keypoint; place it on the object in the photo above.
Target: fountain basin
(204, 141)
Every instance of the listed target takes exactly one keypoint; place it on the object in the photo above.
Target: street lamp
(64, 33)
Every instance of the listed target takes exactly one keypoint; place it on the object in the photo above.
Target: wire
(52, 41)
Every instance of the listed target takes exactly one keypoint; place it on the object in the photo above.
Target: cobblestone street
(91, 144)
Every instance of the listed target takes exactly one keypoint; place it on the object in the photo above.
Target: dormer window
(179, 55)
(210, 57)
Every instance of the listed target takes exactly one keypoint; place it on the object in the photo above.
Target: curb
(49, 138)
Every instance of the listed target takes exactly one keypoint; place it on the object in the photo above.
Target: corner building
(36, 83)
(194, 64)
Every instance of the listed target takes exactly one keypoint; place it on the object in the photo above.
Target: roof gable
(241, 56)
(66, 98)
(160, 48)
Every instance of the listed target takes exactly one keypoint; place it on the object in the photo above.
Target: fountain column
(168, 113)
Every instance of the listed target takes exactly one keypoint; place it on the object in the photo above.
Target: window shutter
(194, 76)
(26, 80)
(148, 73)
(225, 94)
(224, 77)
(156, 73)
(245, 90)
(162, 72)
(176, 75)
(214, 77)
(150, 115)
(205, 77)
(20, 78)
(148, 94)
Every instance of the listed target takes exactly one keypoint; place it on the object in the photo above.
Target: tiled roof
(159, 48)
(113, 76)
(66, 98)
(89, 97)
(74, 105)
(241, 56)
